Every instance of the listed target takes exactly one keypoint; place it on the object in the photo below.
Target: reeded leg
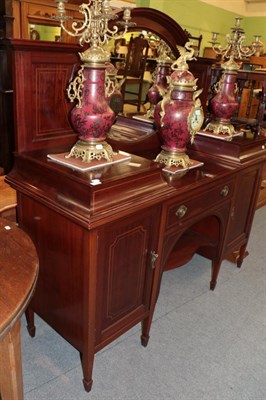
(30, 321)
(11, 383)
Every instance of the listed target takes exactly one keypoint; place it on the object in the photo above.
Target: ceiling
(247, 8)
(123, 3)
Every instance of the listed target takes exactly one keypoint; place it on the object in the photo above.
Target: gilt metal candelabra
(224, 103)
(234, 49)
(92, 117)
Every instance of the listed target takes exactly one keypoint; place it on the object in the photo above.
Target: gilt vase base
(77, 163)
(180, 170)
(220, 136)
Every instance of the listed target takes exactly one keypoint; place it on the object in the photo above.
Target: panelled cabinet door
(246, 192)
(125, 272)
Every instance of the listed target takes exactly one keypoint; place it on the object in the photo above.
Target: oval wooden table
(18, 275)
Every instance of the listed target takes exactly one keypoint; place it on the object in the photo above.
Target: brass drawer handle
(181, 211)
(154, 257)
(225, 191)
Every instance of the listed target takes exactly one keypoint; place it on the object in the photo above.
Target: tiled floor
(204, 345)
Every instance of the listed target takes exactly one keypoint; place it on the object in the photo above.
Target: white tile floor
(204, 345)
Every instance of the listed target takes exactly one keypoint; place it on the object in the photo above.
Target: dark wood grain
(18, 274)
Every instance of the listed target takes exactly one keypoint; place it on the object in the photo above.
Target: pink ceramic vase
(93, 119)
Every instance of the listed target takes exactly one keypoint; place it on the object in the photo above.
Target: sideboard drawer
(179, 211)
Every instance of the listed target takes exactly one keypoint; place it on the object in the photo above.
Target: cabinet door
(125, 273)
(246, 192)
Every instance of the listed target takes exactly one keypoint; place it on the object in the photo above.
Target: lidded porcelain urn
(179, 115)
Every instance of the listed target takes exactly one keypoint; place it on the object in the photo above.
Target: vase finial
(186, 54)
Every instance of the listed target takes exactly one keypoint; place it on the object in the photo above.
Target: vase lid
(182, 78)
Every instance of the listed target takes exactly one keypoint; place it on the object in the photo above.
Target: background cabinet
(22, 17)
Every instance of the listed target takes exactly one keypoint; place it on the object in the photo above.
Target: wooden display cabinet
(41, 13)
(20, 14)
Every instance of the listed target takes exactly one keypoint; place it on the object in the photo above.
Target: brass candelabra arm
(234, 48)
(93, 28)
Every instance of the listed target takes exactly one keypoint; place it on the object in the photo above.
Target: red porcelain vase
(94, 118)
(224, 104)
(160, 86)
(173, 119)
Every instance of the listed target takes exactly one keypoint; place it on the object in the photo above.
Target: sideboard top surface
(129, 185)
(240, 150)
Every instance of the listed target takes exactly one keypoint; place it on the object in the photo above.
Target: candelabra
(224, 103)
(258, 45)
(235, 49)
(92, 117)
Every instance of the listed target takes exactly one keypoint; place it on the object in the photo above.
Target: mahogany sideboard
(103, 248)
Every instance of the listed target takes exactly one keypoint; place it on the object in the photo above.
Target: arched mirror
(159, 30)
(159, 24)
(129, 132)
